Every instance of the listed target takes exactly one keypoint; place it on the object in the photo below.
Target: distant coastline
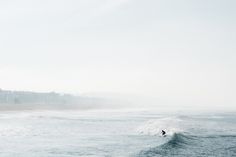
(25, 100)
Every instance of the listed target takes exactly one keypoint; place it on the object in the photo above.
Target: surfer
(163, 133)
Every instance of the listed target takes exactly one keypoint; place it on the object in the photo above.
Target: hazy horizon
(158, 52)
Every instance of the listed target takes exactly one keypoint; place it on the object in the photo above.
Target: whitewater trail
(153, 127)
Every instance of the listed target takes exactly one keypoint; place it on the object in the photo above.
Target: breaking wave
(184, 144)
(177, 142)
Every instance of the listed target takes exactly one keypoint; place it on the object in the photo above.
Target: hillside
(51, 100)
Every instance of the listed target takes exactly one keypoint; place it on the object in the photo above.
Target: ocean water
(116, 134)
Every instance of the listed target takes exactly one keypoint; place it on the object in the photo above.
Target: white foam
(154, 126)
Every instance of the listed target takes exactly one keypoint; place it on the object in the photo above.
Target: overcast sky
(175, 51)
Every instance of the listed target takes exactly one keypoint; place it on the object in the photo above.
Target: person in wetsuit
(163, 133)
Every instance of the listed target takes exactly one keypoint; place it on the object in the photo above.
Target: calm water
(115, 134)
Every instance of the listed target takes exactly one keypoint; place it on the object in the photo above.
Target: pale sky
(173, 51)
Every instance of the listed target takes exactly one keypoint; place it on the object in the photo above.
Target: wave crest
(178, 141)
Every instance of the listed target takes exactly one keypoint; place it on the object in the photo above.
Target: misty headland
(28, 100)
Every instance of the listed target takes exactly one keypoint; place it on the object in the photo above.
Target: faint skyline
(170, 51)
